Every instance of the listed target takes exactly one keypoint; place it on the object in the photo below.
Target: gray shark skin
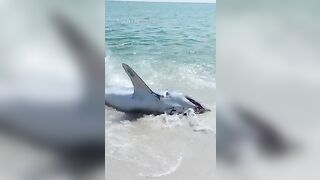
(141, 99)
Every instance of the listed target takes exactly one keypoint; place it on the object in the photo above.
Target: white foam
(170, 170)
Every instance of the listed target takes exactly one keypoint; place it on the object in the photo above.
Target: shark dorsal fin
(140, 87)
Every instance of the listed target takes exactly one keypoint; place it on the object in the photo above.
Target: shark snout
(198, 109)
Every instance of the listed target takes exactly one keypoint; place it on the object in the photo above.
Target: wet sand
(185, 146)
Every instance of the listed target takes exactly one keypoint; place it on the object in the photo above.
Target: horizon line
(159, 1)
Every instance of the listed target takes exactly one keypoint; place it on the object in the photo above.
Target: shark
(141, 99)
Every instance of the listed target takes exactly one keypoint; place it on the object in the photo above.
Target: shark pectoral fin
(140, 87)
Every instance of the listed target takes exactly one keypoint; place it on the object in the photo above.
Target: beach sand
(150, 147)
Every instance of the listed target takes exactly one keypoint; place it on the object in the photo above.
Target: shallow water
(171, 46)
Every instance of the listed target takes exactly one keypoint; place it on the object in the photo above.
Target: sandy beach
(150, 147)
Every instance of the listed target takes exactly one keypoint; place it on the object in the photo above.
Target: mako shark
(141, 99)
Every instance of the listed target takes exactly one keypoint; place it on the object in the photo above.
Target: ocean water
(171, 46)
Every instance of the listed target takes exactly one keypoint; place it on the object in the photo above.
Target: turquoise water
(170, 45)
